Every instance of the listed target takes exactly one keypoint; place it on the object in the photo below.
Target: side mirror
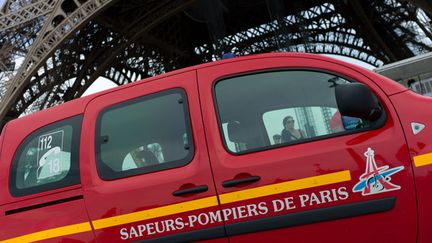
(356, 100)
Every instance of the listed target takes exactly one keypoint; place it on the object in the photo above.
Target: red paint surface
(416, 108)
(394, 145)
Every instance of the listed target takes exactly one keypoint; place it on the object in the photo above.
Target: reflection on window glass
(47, 159)
(300, 123)
(147, 134)
(280, 107)
(232, 143)
(151, 154)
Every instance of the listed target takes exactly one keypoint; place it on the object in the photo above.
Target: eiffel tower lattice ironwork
(51, 51)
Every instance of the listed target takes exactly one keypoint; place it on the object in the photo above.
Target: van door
(148, 174)
(41, 196)
(288, 167)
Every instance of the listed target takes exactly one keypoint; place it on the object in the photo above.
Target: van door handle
(197, 189)
(235, 182)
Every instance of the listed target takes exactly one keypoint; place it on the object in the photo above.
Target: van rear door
(147, 171)
(41, 196)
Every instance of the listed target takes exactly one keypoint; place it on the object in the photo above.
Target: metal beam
(26, 14)
(46, 44)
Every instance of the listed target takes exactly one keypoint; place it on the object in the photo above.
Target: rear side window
(143, 135)
(47, 159)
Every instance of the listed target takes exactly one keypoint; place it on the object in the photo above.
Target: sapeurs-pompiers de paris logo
(376, 179)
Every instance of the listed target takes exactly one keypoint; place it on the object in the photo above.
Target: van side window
(276, 108)
(144, 135)
(47, 159)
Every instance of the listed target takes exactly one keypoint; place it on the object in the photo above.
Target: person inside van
(289, 133)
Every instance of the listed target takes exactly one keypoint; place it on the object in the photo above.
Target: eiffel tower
(51, 51)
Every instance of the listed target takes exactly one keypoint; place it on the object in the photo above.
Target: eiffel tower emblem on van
(376, 179)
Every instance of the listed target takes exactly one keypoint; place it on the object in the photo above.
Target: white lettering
(239, 212)
(252, 210)
(150, 229)
(179, 224)
(203, 219)
(242, 212)
(133, 233)
(169, 225)
(289, 202)
(325, 196)
(343, 194)
(234, 212)
(278, 205)
(124, 234)
(303, 199)
(192, 220)
(141, 229)
(334, 193)
(263, 209)
(314, 199)
(162, 227)
(215, 216)
(226, 212)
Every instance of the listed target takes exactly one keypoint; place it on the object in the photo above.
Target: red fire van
(279, 147)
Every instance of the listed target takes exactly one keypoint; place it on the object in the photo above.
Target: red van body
(197, 155)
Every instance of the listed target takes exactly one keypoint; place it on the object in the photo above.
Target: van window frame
(71, 178)
(373, 126)
(107, 174)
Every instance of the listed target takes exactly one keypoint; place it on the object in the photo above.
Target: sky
(99, 84)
